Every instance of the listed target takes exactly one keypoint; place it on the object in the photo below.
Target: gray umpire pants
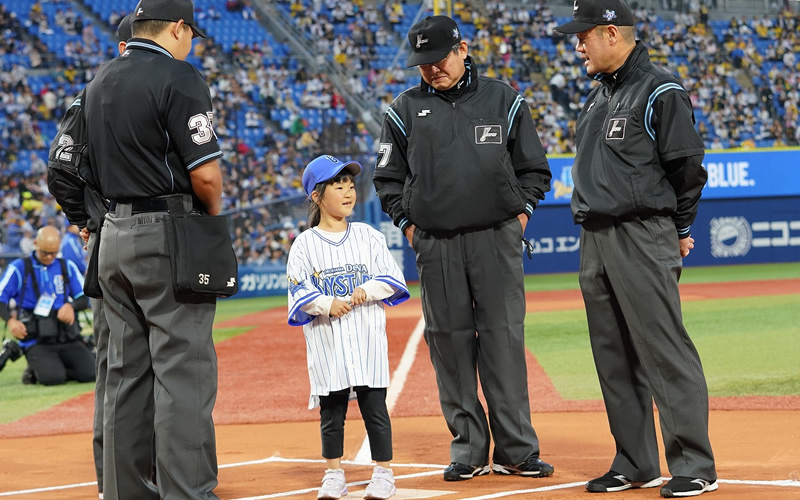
(100, 332)
(161, 383)
(101, 366)
(473, 303)
(629, 275)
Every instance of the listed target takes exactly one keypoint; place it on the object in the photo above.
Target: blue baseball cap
(326, 167)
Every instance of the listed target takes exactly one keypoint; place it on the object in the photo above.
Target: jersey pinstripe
(352, 350)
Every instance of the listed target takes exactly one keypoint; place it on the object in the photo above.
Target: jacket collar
(468, 81)
(148, 45)
(637, 57)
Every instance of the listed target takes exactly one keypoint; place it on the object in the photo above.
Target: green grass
(748, 346)
(551, 282)
(560, 342)
(17, 400)
(233, 308)
(716, 274)
(720, 274)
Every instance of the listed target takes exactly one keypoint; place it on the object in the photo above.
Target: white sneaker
(333, 485)
(381, 486)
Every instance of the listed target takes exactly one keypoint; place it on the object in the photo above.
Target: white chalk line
(51, 488)
(785, 483)
(363, 456)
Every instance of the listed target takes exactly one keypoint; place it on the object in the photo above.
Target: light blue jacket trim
(648, 110)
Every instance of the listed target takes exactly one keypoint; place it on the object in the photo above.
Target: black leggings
(372, 403)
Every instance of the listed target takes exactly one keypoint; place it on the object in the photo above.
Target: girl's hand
(339, 308)
(359, 296)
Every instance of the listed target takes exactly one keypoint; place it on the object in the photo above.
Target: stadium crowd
(742, 75)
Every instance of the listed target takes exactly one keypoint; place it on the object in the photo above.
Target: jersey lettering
(384, 154)
(341, 281)
(202, 124)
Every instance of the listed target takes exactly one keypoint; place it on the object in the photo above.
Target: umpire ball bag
(201, 255)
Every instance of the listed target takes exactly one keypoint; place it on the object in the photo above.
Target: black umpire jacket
(454, 162)
(638, 154)
(69, 175)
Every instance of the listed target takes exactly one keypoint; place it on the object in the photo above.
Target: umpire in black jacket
(460, 171)
(85, 208)
(638, 178)
(149, 126)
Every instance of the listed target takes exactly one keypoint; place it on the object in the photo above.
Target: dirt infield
(268, 443)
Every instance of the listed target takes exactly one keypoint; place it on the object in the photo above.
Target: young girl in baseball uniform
(340, 275)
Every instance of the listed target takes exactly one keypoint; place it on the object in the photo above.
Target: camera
(10, 351)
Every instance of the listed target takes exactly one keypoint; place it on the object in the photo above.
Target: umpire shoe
(611, 481)
(680, 486)
(533, 466)
(461, 472)
(333, 486)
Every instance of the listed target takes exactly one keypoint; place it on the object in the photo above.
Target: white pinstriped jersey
(352, 350)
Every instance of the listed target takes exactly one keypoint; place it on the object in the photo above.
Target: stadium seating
(259, 87)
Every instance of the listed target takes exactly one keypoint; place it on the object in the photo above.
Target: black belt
(148, 205)
(142, 206)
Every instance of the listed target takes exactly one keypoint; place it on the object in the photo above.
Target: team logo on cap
(332, 159)
(455, 33)
(609, 15)
(421, 40)
(575, 6)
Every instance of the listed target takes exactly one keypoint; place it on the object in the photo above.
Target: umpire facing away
(460, 171)
(638, 177)
(150, 137)
(86, 210)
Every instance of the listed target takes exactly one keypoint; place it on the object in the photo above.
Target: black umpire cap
(432, 39)
(586, 14)
(168, 10)
(124, 28)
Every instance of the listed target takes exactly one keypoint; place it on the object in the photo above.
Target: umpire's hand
(409, 232)
(686, 244)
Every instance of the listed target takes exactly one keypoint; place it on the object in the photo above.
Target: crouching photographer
(45, 321)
